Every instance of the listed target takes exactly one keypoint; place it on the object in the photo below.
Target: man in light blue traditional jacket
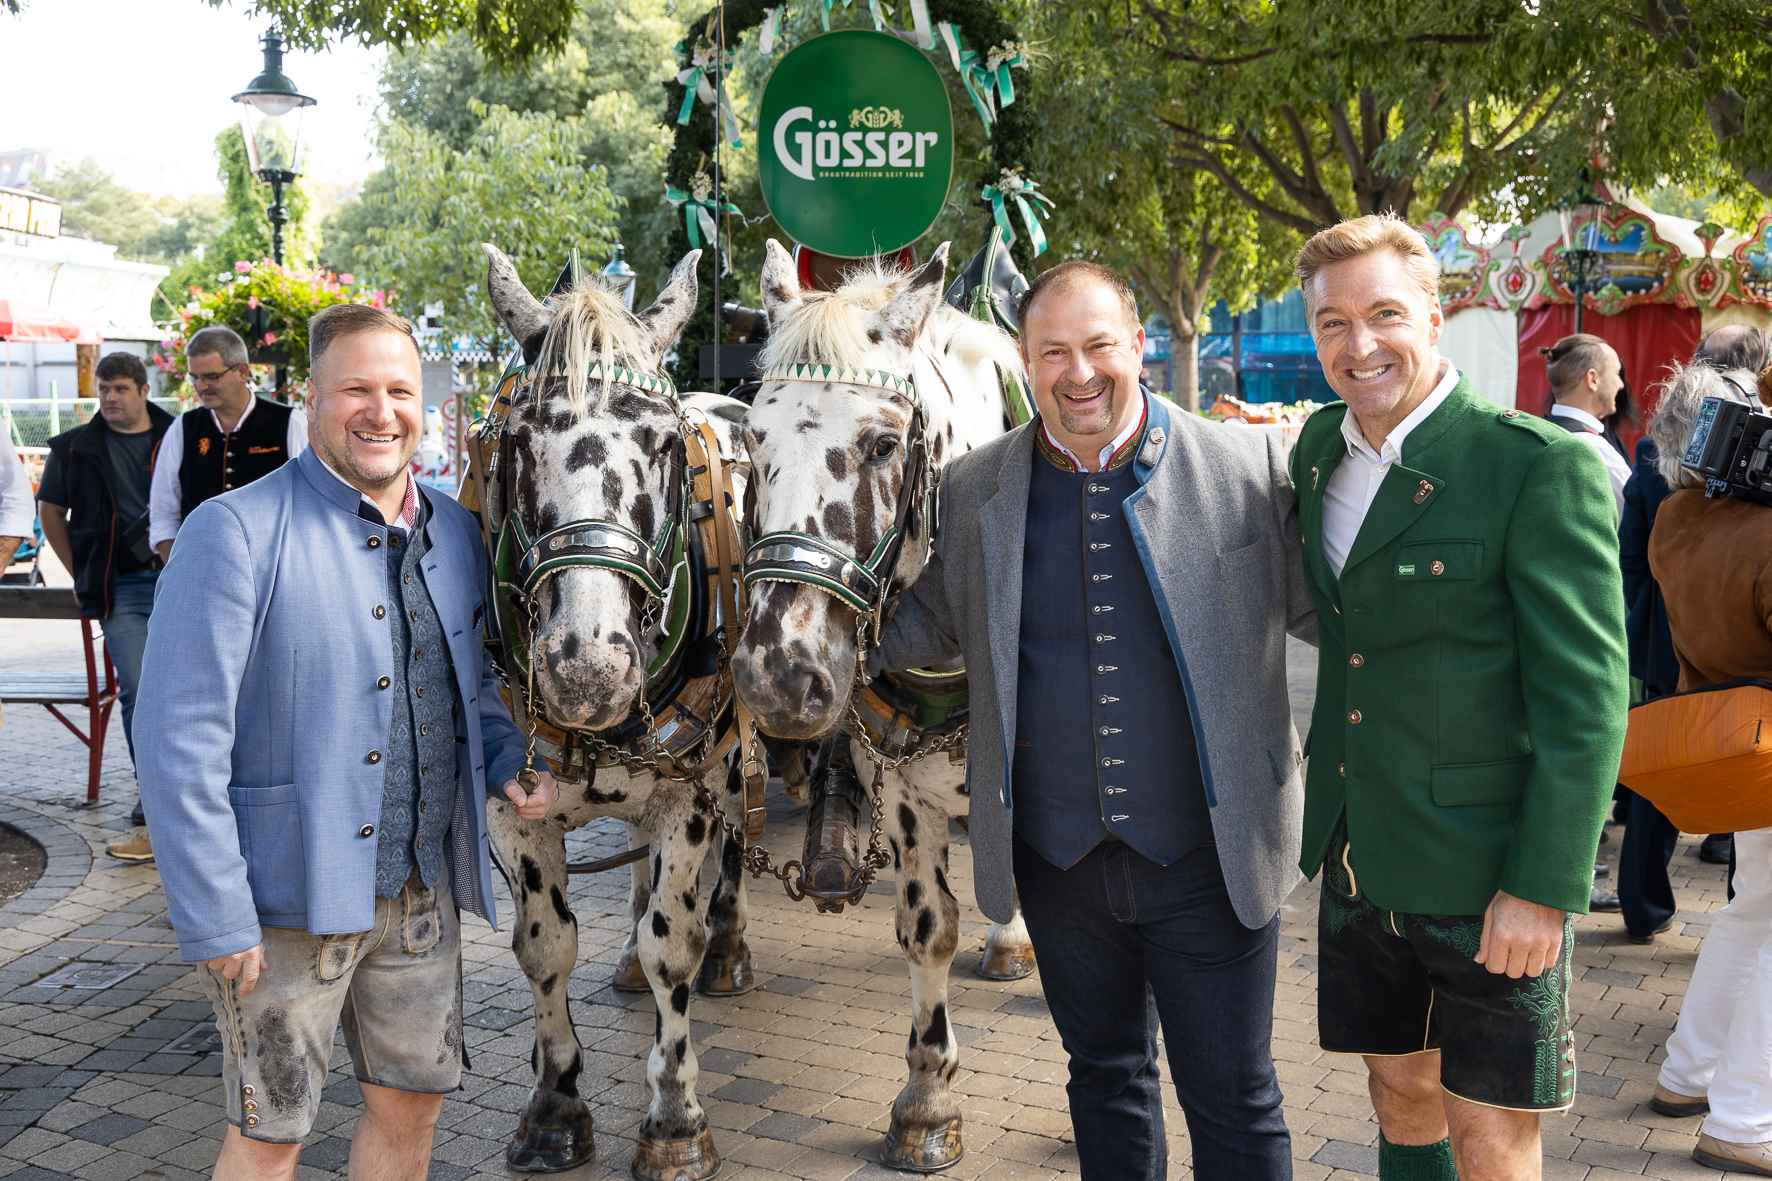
(315, 733)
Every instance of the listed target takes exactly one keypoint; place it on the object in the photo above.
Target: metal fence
(32, 422)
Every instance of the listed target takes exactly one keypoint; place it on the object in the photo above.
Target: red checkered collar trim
(1115, 454)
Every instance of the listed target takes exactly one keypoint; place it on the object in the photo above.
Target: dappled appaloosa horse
(609, 503)
(866, 392)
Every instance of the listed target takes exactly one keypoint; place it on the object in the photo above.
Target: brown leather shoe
(1672, 1103)
(134, 847)
(1734, 1158)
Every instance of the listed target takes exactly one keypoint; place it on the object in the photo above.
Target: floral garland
(1009, 119)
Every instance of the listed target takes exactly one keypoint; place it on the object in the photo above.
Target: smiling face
(1085, 354)
(1376, 332)
(366, 415)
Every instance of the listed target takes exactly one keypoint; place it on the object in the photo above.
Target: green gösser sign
(857, 145)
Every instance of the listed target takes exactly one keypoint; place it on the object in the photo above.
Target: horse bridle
(863, 584)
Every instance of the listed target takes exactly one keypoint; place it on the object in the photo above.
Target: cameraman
(1712, 557)
(94, 505)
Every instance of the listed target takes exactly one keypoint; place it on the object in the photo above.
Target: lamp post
(1580, 223)
(619, 277)
(271, 111)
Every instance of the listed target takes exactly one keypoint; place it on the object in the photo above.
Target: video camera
(1731, 448)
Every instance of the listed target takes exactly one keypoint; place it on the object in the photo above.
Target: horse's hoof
(694, 1159)
(726, 975)
(1008, 961)
(922, 1149)
(552, 1140)
(629, 975)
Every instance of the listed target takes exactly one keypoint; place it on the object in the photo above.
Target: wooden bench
(96, 692)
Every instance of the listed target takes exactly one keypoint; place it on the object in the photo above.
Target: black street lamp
(1584, 263)
(271, 110)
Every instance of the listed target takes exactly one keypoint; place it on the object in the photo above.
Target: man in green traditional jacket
(1471, 695)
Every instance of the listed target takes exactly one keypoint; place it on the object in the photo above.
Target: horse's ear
(665, 318)
(520, 312)
(781, 282)
(902, 319)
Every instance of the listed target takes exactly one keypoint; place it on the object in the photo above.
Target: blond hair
(1363, 235)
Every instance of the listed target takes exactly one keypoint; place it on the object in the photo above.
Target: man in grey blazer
(1120, 576)
(315, 733)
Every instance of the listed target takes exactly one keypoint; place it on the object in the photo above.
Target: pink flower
(347, 278)
(242, 267)
(270, 338)
(252, 303)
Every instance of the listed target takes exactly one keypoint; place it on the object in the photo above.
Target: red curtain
(1646, 338)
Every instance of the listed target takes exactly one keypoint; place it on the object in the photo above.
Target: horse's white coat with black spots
(606, 453)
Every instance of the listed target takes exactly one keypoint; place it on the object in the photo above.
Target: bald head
(1735, 346)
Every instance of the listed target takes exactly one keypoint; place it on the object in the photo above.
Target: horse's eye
(884, 446)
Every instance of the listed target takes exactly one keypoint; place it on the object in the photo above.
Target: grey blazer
(1215, 524)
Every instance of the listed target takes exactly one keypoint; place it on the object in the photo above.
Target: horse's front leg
(726, 969)
(554, 1133)
(675, 1142)
(629, 976)
(925, 1130)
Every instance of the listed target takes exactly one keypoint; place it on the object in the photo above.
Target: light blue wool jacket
(261, 728)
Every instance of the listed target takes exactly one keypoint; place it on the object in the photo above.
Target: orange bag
(1704, 757)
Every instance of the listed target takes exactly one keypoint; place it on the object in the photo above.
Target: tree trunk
(1184, 351)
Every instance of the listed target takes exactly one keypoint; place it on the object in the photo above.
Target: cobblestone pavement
(797, 1077)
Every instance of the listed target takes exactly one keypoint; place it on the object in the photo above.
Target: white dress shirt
(1354, 484)
(1617, 467)
(18, 511)
(165, 505)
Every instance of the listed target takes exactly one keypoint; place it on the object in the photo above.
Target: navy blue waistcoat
(1104, 744)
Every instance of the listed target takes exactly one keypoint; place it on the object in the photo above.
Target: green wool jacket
(1472, 679)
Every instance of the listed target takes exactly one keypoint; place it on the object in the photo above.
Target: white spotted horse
(611, 507)
(865, 393)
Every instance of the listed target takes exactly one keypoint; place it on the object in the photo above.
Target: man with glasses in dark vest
(229, 439)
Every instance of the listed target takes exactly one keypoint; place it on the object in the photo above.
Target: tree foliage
(610, 73)
(512, 31)
(1122, 198)
(1488, 105)
(519, 181)
(246, 227)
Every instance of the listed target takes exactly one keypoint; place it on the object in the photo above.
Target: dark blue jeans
(1123, 942)
(126, 636)
(1645, 894)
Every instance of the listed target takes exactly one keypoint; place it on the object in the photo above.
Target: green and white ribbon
(974, 76)
(1012, 186)
(920, 22)
(700, 211)
(770, 31)
(824, 15)
(998, 62)
(705, 79)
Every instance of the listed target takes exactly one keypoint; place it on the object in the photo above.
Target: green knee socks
(1426, 1162)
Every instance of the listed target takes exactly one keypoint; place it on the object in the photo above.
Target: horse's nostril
(818, 693)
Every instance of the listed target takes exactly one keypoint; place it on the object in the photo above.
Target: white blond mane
(591, 324)
(830, 327)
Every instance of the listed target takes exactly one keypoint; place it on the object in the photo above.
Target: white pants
(1722, 1046)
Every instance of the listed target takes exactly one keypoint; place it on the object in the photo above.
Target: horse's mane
(590, 324)
(830, 327)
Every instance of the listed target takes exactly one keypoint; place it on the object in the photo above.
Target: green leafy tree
(609, 72)
(95, 206)
(1488, 105)
(519, 181)
(508, 30)
(1182, 237)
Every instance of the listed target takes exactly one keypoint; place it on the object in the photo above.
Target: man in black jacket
(94, 505)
